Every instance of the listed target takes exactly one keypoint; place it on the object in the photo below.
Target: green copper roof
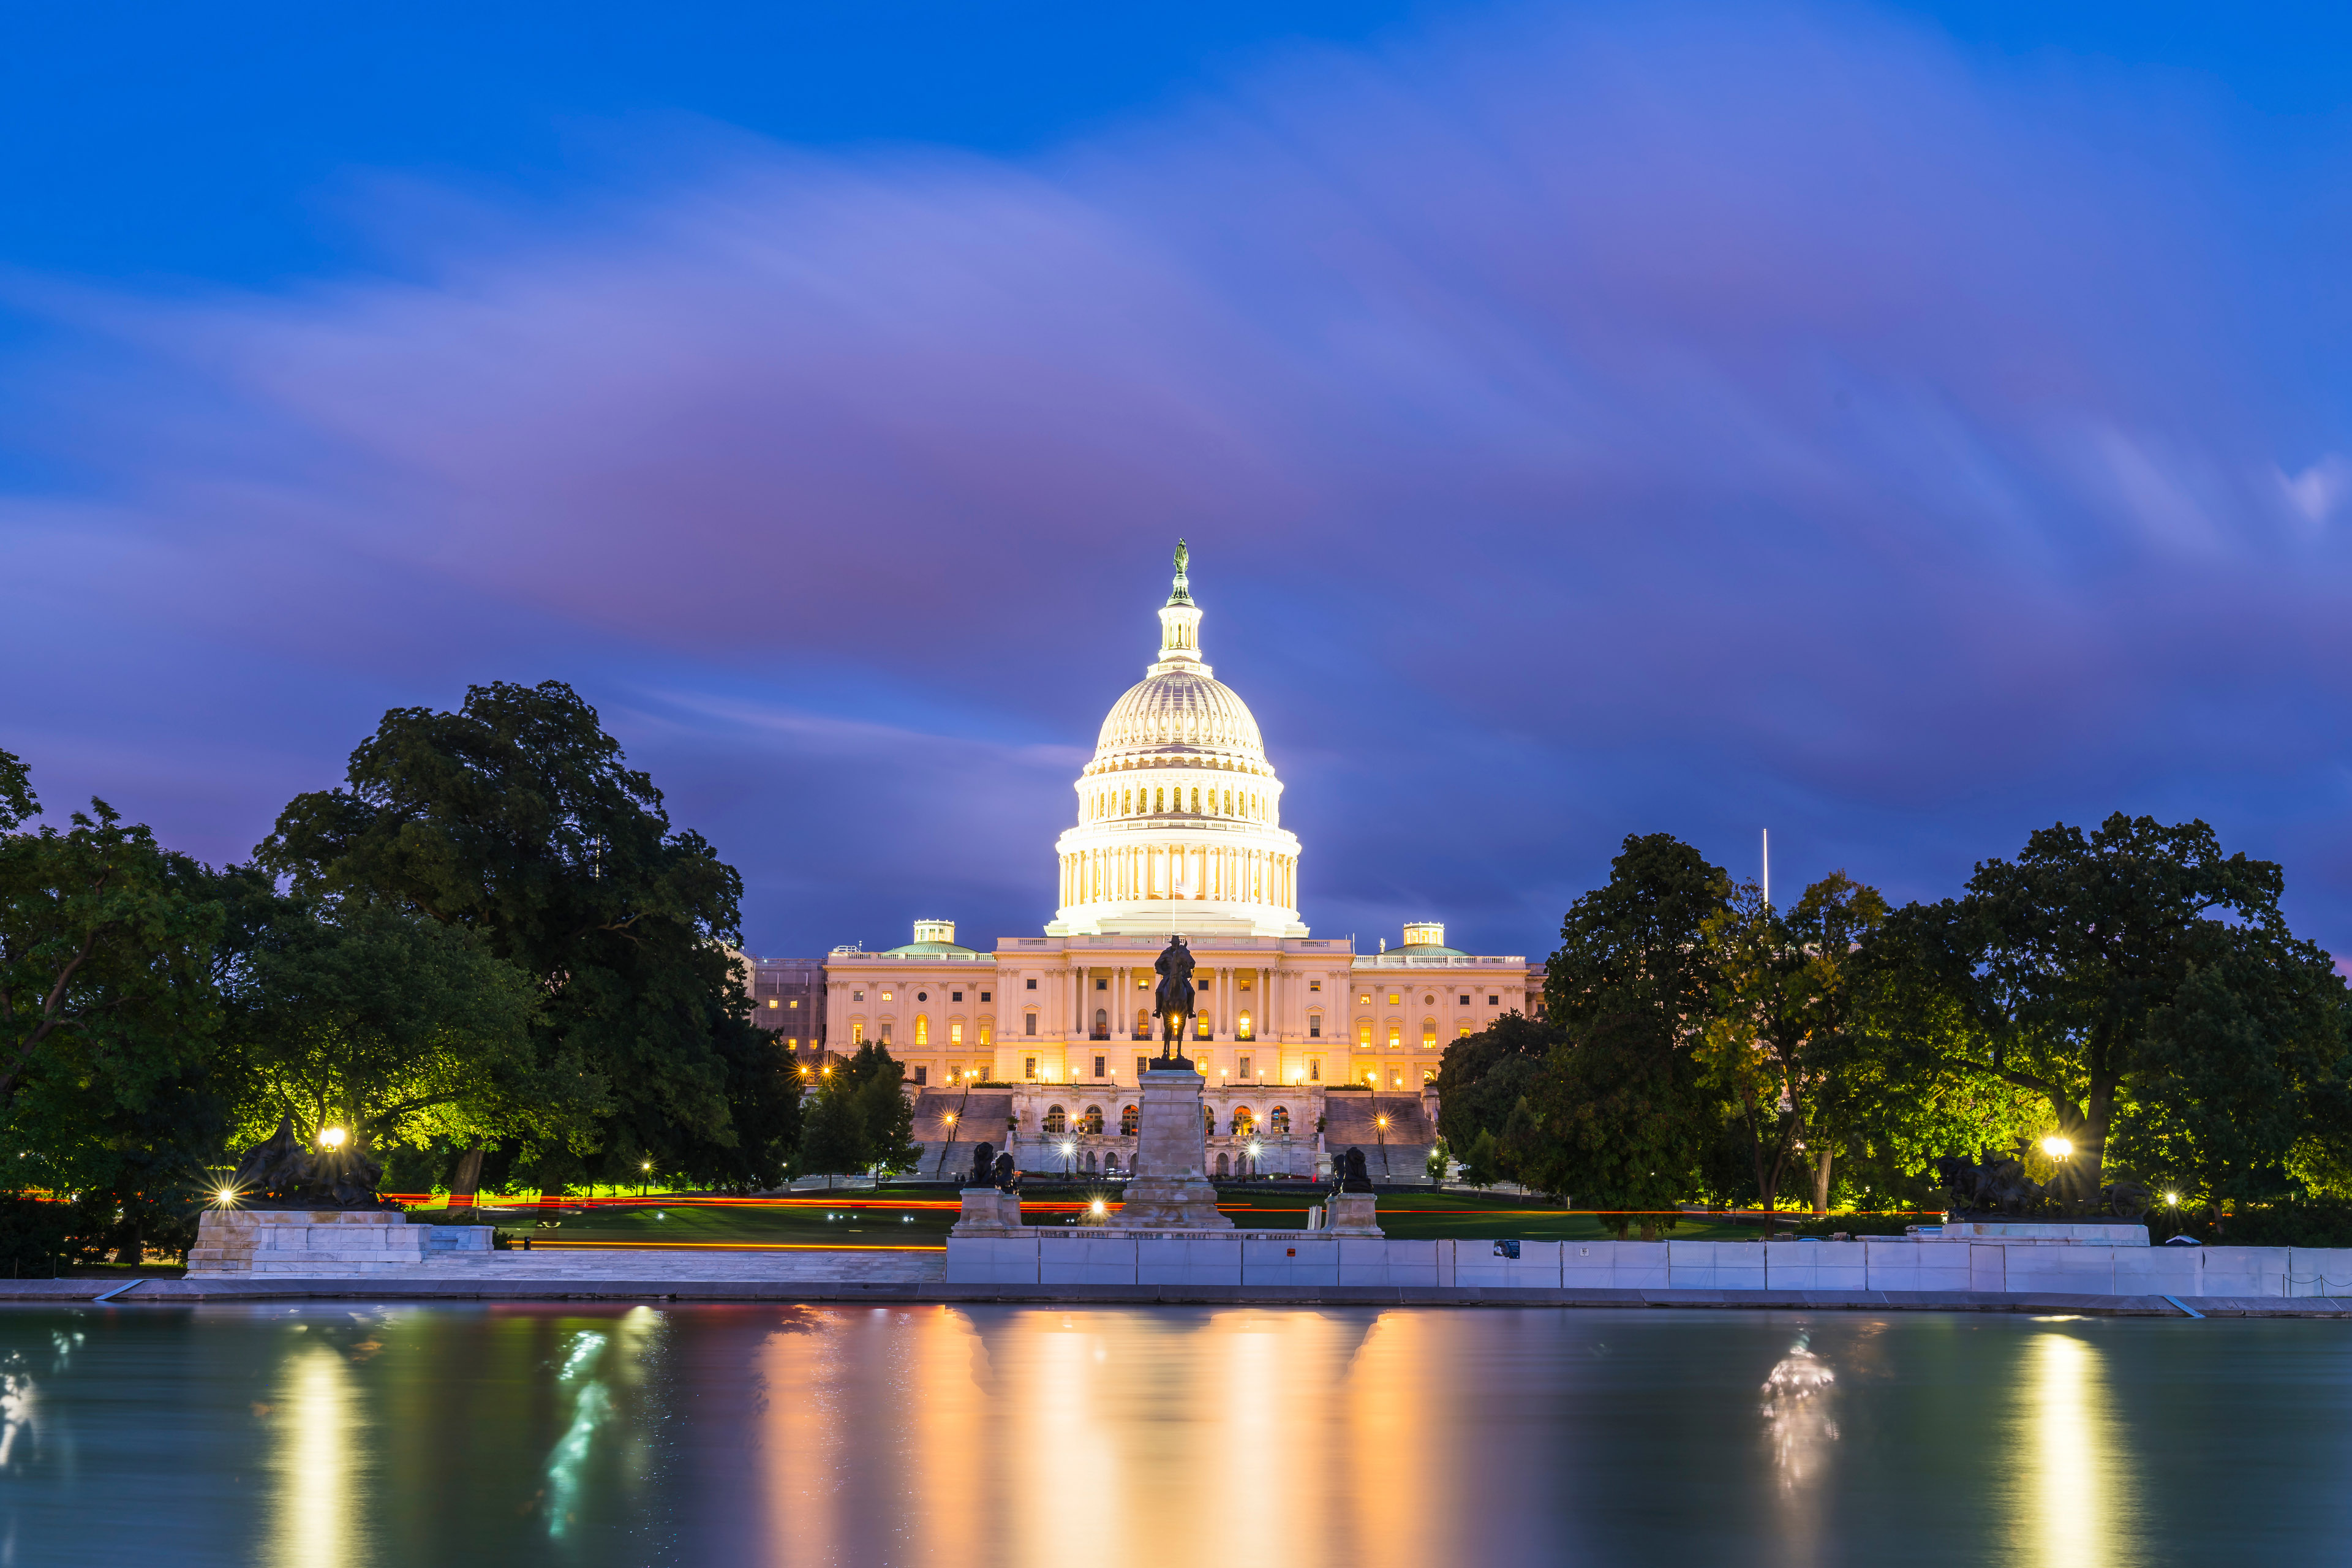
(922, 947)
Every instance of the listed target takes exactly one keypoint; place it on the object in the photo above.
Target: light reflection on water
(1241, 1439)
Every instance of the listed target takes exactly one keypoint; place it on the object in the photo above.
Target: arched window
(1242, 1027)
(1245, 1123)
(1200, 1030)
(1090, 1163)
(1090, 1121)
(1057, 1122)
(1110, 1164)
(1130, 1122)
(1102, 1024)
(1208, 1123)
(1280, 1121)
(1159, 800)
(923, 1028)
(1143, 1023)
(1224, 1166)
(1363, 1033)
(1196, 803)
(955, 1034)
(1429, 1034)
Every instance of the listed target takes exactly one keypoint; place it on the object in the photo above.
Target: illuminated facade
(1179, 830)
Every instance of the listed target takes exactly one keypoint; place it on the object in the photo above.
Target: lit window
(856, 1034)
(1463, 1032)
(1315, 1070)
(885, 1033)
(922, 1029)
(1242, 1026)
(793, 1003)
(1159, 800)
(1130, 1122)
(886, 995)
(1396, 1036)
(955, 1034)
(1029, 1066)
(1364, 1032)
(1196, 803)
(1242, 1067)
(986, 1032)
(772, 1007)
(1365, 1000)
(1393, 998)
(1315, 985)
(1429, 1034)
(1092, 1119)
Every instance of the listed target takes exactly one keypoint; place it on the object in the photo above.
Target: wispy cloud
(1586, 422)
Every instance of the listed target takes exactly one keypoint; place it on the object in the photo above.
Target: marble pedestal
(988, 1212)
(1174, 1191)
(1350, 1214)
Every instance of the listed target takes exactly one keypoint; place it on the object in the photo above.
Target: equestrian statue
(1171, 1004)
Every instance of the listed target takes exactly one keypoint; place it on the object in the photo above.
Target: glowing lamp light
(1098, 1208)
(1381, 1123)
(2173, 1198)
(332, 1137)
(951, 1119)
(225, 1195)
(1068, 1150)
(647, 1166)
(2057, 1148)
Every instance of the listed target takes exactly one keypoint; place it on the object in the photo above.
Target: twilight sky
(1901, 428)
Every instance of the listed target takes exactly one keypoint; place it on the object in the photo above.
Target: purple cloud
(1696, 420)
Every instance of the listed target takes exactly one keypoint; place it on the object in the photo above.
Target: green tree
(1622, 1117)
(1777, 1033)
(108, 1016)
(860, 1118)
(515, 818)
(1482, 1075)
(396, 1027)
(2134, 979)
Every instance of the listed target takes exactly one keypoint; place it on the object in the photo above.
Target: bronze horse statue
(1171, 1004)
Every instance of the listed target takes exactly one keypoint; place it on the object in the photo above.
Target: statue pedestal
(1350, 1214)
(1173, 1192)
(988, 1212)
(322, 1241)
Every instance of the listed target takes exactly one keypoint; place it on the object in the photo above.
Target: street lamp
(332, 1137)
(645, 1177)
(2057, 1148)
(1069, 1150)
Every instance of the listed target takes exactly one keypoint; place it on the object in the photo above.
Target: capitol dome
(1183, 713)
(1178, 804)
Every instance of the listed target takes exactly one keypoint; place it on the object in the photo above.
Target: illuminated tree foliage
(2139, 983)
(514, 819)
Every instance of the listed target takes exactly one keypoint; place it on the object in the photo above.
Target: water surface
(524, 1435)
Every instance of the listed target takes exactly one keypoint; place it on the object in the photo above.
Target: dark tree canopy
(516, 820)
(1632, 945)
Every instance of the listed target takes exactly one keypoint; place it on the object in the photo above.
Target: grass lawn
(922, 1218)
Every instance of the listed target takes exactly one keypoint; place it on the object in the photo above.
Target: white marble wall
(1051, 1258)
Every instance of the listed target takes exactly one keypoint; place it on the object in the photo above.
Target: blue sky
(1901, 428)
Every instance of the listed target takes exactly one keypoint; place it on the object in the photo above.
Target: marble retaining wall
(1074, 1257)
(324, 1242)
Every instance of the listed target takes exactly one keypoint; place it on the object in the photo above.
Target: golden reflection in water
(313, 1517)
(2072, 1505)
(1239, 1439)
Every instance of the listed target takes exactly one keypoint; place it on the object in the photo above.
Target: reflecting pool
(518, 1435)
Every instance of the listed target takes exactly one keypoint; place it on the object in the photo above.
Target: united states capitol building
(1306, 1045)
